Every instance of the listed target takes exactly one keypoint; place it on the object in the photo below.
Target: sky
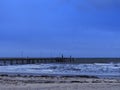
(49, 28)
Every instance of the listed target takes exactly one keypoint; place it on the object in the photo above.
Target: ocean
(103, 70)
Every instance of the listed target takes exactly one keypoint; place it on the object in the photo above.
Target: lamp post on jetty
(62, 56)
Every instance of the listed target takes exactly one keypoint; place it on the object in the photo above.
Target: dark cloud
(94, 4)
(105, 4)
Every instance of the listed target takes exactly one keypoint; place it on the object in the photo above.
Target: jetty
(70, 60)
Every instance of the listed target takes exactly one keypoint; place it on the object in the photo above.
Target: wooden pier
(19, 61)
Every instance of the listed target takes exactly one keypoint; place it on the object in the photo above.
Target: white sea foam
(64, 69)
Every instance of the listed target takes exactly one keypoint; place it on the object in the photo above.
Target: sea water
(96, 69)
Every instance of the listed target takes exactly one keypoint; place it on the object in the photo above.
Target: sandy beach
(57, 83)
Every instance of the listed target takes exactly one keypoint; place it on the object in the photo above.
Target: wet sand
(57, 83)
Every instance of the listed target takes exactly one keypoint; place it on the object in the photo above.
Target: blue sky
(40, 28)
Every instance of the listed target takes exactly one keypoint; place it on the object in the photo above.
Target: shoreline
(60, 75)
(34, 77)
(57, 83)
(56, 79)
